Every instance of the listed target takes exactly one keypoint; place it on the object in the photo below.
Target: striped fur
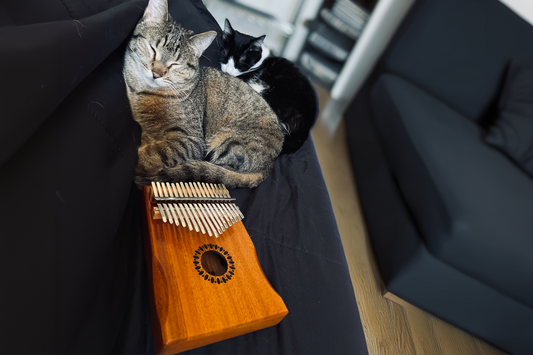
(198, 124)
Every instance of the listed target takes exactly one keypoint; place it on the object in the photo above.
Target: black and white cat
(288, 92)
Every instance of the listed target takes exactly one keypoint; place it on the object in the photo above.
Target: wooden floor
(390, 329)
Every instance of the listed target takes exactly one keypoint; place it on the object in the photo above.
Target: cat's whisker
(173, 88)
(139, 58)
(206, 57)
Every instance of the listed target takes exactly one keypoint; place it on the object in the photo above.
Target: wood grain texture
(390, 328)
(194, 303)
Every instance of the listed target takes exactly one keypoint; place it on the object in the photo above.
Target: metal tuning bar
(206, 208)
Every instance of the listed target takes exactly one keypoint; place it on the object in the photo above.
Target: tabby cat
(289, 92)
(198, 123)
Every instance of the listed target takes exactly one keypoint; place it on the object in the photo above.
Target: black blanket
(72, 275)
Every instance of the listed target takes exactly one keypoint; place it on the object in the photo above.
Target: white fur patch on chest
(258, 87)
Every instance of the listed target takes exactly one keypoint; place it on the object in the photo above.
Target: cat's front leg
(150, 161)
(155, 156)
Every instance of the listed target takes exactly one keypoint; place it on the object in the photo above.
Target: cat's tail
(204, 171)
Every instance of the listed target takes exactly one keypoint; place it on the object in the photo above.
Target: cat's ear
(258, 42)
(156, 11)
(201, 41)
(228, 30)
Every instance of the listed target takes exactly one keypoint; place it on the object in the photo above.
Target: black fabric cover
(512, 131)
(72, 275)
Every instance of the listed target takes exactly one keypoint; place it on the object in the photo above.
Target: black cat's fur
(288, 92)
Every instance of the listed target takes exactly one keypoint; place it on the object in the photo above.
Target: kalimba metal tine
(235, 212)
(208, 190)
(191, 215)
(232, 212)
(195, 189)
(228, 213)
(178, 189)
(189, 190)
(220, 192)
(154, 189)
(185, 192)
(200, 224)
(166, 210)
(239, 210)
(169, 213)
(218, 225)
(162, 212)
(204, 221)
(192, 189)
(172, 206)
(218, 216)
(225, 191)
(174, 189)
(178, 210)
(214, 189)
(159, 206)
(184, 211)
(222, 214)
(210, 220)
(199, 189)
(225, 213)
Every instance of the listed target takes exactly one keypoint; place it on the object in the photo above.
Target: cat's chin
(229, 68)
(152, 83)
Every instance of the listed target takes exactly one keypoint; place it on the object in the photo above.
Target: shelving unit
(384, 19)
(332, 36)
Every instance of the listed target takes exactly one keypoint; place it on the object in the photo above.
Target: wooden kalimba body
(205, 281)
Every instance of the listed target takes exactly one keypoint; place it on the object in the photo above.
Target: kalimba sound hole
(214, 263)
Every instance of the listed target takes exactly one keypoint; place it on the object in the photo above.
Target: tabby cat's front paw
(144, 170)
(142, 181)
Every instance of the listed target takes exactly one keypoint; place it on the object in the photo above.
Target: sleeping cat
(198, 124)
(289, 92)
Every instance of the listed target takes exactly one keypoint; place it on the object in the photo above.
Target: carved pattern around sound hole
(214, 264)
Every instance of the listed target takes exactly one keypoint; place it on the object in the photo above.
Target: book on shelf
(339, 24)
(319, 67)
(330, 43)
(352, 8)
(350, 13)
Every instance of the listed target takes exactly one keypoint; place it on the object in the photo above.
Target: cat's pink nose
(156, 74)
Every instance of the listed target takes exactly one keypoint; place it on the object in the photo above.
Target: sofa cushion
(512, 131)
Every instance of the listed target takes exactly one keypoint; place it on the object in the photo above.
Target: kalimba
(205, 280)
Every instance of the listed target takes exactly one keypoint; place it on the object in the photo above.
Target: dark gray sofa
(448, 206)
